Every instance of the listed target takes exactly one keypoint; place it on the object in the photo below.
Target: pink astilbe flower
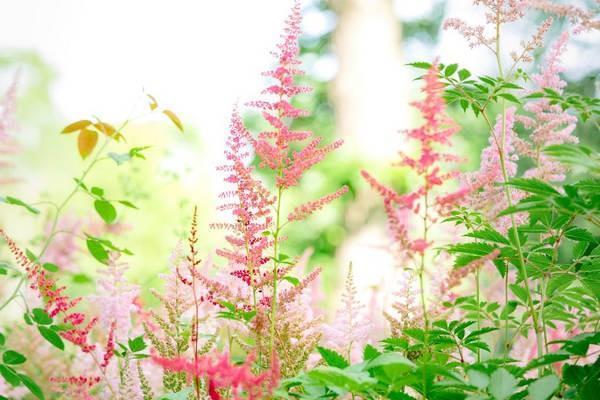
(582, 19)
(497, 11)
(274, 147)
(425, 201)
(486, 185)
(448, 285)
(116, 298)
(351, 327)
(222, 374)
(549, 124)
(301, 212)
(56, 302)
(8, 145)
(75, 387)
(408, 313)
(249, 202)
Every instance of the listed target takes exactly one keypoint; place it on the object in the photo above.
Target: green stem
(275, 269)
(59, 210)
(478, 299)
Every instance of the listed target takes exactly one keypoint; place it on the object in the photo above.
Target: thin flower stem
(59, 209)
(478, 299)
(275, 270)
(517, 240)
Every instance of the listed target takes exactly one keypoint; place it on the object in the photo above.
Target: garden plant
(498, 269)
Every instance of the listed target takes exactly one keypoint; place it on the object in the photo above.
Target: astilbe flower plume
(8, 145)
(288, 154)
(549, 123)
(487, 192)
(116, 298)
(222, 374)
(76, 387)
(425, 201)
(350, 330)
(274, 147)
(56, 302)
(249, 203)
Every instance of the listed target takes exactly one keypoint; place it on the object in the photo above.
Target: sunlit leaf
(174, 118)
(77, 126)
(86, 142)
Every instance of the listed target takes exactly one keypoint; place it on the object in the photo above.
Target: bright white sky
(197, 57)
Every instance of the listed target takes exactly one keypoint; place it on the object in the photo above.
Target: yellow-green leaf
(105, 128)
(86, 142)
(153, 103)
(77, 126)
(174, 119)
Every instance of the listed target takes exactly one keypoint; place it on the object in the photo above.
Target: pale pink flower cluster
(486, 185)
(550, 124)
(351, 328)
(581, 18)
(409, 311)
(8, 145)
(116, 298)
(536, 41)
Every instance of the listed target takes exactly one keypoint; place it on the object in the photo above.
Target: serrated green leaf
(502, 384)
(333, 358)
(544, 387)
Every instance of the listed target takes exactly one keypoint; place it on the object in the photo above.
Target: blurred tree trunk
(368, 93)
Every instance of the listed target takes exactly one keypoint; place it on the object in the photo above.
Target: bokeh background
(79, 59)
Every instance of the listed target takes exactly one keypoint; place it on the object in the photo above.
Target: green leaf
(2, 339)
(294, 281)
(97, 191)
(120, 158)
(510, 97)
(478, 379)
(351, 381)
(579, 234)
(519, 291)
(16, 202)
(488, 234)
(420, 65)
(11, 357)
(181, 395)
(333, 358)
(393, 364)
(370, 352)
(52, 337)
(9, 375)
(128, 204)
(534, 186)
(32, 386)
(41, 317)
(97, 250)
(81, 278)
(463, 74)
(544, 387)
(50, 267)
(137, 344)
(502, 384)
(450, 69)
(106, 210)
